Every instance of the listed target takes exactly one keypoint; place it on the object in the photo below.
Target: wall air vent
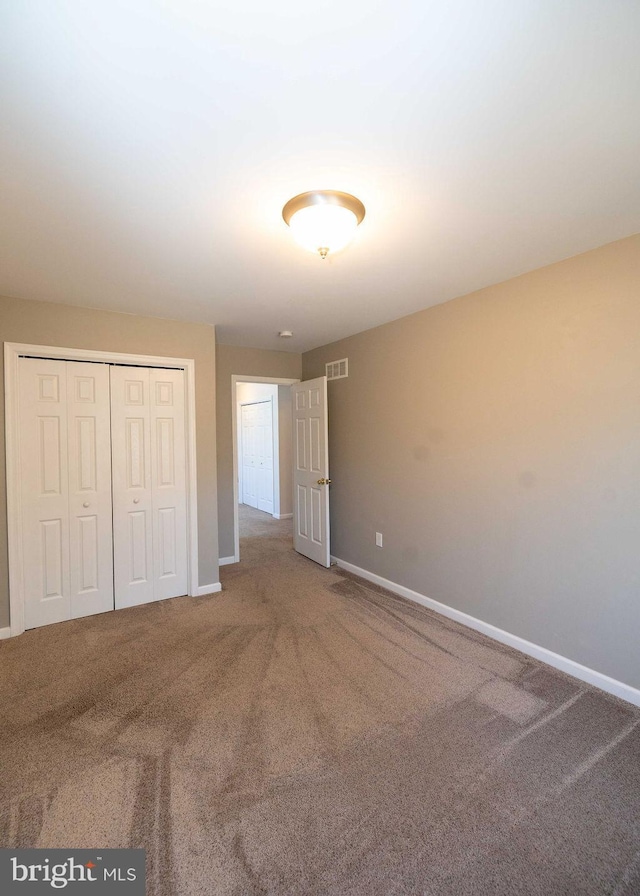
(338, 370)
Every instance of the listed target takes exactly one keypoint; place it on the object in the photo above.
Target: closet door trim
(12, 353)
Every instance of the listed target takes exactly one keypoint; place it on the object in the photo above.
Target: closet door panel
(103, 487)
(44, 490)
(132, 487)
(168, 477)
(90, 514)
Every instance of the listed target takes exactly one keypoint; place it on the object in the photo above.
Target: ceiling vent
(338, 370)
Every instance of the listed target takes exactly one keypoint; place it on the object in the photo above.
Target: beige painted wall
(256, 392)
(45, 323)
(233, 360)
(495, 442)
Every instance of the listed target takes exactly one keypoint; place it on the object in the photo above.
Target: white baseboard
(598, 679)
(201, 590)
(225, 561)
(282, 516)
(5, 633)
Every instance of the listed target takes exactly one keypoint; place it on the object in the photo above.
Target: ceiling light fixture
(285, 334)
(323, 220)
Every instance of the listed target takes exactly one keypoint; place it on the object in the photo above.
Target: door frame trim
(12, 353)
(235, 379)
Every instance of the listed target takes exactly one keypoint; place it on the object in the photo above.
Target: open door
(311, 470)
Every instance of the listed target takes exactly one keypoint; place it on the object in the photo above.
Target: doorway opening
(262, 455)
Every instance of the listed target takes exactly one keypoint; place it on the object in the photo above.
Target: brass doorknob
(324, 481)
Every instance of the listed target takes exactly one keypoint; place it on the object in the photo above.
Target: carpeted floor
(305, 732)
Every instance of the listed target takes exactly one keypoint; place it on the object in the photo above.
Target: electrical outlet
(378, 539)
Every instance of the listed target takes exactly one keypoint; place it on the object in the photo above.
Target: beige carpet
(306, 733)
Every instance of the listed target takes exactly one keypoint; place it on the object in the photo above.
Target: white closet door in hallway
(257, 455)
(149, 484)
(65, 478)
(248, 436)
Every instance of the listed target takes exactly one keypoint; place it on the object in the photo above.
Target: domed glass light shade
(323, 221)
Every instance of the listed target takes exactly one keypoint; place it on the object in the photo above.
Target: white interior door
(90, 517)
(149, 484)
(168, 482)
(103, 488)
(44, 493)
(249, 474)
(311, 470)
(132, 494)
(264, 455)
(65, 461)
(256, 434)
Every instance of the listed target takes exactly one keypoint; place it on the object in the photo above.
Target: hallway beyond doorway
(254, 523)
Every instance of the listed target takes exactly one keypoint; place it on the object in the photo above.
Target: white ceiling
(148, 147)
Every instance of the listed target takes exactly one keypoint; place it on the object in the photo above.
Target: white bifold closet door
(249, 460)
(257, 454)
(264, 432)
(149, 484)
(65, 475)
(103, 487)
